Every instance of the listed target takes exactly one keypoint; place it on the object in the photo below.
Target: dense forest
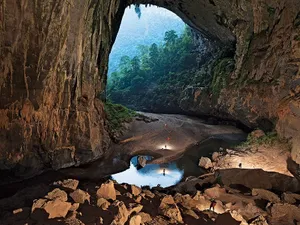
(157, 75)
(142, 26)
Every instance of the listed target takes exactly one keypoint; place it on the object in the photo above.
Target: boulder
(145, 217)
(148, 194)
(103, 203)
(43, 209)
(69, 184)
(220, 194)
(169, 209)
(260, 220)
(135, 191)
(80, 196)
(257, 134)
(266, 195)
(284, 212)
(74, 207)
(215, 156)
(107, 191)
(190, 212)
(57, 194)
(257, 178)
(138, 199)
(205, 163)
(290, 198)
(135, 220)
(128, 195)
(185, 201)
(142, 161)
(120, 213)
(134, 208)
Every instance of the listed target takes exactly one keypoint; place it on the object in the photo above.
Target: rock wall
(53, 63)
(263, 90)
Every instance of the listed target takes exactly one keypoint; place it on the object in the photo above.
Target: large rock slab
(205, 163)
(121, 213)
(169, 209)
(57, 194)
(80, 196)
(257, 178)
(107, 191)
(43, 209)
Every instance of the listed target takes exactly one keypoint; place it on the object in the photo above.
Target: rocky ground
(239, 194)
(241, 197)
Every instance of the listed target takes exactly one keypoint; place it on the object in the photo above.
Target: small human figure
(165, 146)
(164, 172)
(240, 165)
(212, 204)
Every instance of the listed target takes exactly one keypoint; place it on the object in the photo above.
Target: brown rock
(290, 198)
(148, 194)
(265, 194)
(80, 196)
(135, 191)
(145, 217)
(186, 201)
(260, 220)
(138, 199)
(22, 213)
(68, 184)
(205, 163)
(284, 212)
(190, 212)
(103, 203)
(134, 208)
(74, 207)
(215, 156)
(118, 193)
(120, 213)
(107, 191)
(135, 220)
(142, 161)
(57, 194)
(42, 209)
(128, 195)
(169, 209)
(257, 134)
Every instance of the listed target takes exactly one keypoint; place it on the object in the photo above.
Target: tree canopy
(156, 75)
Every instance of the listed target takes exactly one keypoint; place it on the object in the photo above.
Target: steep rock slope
(50, 73)
(53, 63)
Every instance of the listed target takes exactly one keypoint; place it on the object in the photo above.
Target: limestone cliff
(53, 63)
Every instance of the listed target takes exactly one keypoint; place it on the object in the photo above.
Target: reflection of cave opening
(153, 64)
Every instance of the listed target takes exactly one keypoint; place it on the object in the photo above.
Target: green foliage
(157, 75)
(269, 139)
(116, 115)
(221, 74)
(144, 31)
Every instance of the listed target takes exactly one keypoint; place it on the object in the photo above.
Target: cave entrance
(152, 62)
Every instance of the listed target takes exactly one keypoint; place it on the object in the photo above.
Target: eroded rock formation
(53, 63)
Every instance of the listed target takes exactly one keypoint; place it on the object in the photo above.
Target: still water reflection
(183, 167)
(164, 175)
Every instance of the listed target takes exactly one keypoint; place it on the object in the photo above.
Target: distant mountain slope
(150, 28)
